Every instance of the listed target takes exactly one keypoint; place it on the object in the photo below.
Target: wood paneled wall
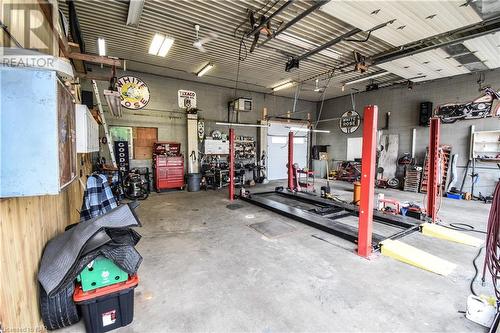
(26, 224)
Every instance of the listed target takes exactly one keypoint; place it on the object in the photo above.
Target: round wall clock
(134, 92)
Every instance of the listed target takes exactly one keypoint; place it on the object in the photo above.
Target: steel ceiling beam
(339, 39)
(269, 18)
(299, 17)
(455, 36)
(451, 37)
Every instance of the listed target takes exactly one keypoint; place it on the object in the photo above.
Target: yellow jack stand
(415, 257)
(437, 231)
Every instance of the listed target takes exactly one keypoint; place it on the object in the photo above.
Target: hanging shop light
(305, 129)
(284, 86)
(205, 69)
(366, 78)
(101, 46)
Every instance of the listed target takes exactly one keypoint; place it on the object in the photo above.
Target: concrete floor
(205, 270)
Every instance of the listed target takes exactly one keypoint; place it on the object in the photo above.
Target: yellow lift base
(437, 231)
(418, 258)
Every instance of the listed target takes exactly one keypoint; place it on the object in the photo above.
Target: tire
(393, 183)
(145, 195)
(59, 310)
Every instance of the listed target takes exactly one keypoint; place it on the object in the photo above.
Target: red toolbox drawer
(169, 172)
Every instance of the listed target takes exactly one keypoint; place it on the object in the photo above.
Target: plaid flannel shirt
(97, 199)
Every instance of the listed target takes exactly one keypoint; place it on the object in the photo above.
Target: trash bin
(105, 309)
(193, 182)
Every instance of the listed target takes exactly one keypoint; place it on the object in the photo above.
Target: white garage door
(277, 150)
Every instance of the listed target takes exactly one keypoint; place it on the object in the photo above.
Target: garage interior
(250, 166)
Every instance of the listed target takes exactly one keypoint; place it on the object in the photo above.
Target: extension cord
(481, 310)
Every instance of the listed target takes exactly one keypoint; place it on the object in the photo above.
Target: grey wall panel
(404, 106)
(212, 100)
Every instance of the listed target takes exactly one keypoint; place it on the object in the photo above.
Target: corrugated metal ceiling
(261, 70)
(414, 20)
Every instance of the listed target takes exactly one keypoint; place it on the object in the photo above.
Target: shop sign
(349, 122)
(134, 92)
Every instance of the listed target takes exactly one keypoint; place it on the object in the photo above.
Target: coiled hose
(492, 257)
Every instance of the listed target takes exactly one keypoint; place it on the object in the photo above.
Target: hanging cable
(323, 100)
(492, 256)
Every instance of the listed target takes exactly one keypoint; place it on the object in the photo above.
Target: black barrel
(193, 182)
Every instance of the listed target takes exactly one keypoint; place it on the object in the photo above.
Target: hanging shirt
(97, 199)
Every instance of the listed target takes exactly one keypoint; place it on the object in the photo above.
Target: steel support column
(232, 154)
(433, 181)
(367, 180)
(290, 161)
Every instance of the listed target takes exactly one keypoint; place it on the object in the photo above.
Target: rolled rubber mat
(62, 252)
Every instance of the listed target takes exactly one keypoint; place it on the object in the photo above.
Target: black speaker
(88, 98)
(425, 113)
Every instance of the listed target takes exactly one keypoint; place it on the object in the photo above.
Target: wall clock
(134, 92)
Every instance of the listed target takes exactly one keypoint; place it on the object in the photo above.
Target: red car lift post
(367, 180)
(433, 181)
(290, 161)
(231, 163)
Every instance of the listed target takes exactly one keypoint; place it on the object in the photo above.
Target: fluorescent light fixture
(330, 53)
(366, 78)
(205, 69)
(297, 41)
(284, 86)
(101, 46)
(134, 12)
(304, 129)
(165, 47)
(316, 88)
(156, 44)
(160, 45)
(239, 124)
(307, 45)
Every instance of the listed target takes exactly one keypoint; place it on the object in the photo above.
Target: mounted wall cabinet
(37, 133)
(87, 130)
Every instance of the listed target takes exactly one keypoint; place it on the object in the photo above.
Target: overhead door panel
(277, 150)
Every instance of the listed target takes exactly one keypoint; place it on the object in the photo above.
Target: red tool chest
(168, 165)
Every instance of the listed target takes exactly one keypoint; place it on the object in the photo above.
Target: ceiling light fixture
(240, 125)
(160, 45)
(303, 129)
(134, 12)
(101, 46)
(205, 69)
(366, 78)
(284, 86)
(307, 45)
(316, 88)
